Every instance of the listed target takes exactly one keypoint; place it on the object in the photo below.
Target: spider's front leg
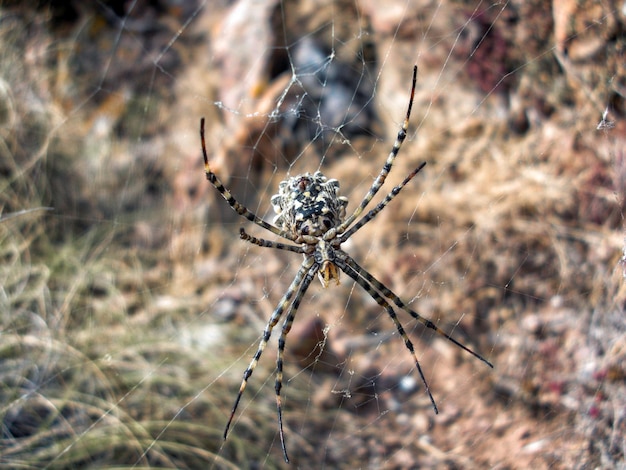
(281, 347)
(380, 293)
(384, 290)
(278, 312)
(380, 300)
(296, 290)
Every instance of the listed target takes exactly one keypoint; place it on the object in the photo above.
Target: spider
(312, 215)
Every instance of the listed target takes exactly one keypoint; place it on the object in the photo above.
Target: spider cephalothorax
(308, 204)
(312, 215)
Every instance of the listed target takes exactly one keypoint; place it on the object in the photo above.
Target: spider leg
(269, 244)
(281, 349)
(371, 280)
(392, 314)
(280, 308)
(381, 205)
(230, 199)
(380, 179)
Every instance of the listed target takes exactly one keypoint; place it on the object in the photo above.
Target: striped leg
(269, 244)
(392, 314)
(281, 350)
(381, 205)
(371, 280)
(380, 179)
(294, 287)
(232, 202)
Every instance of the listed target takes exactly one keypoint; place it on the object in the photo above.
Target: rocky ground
(130, 308)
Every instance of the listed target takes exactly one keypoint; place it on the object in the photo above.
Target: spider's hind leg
(230, 199)
(395, 150)
(245, 236)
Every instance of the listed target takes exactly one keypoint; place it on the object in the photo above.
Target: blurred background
(129, 308)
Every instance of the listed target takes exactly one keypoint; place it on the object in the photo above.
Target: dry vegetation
(127, 313)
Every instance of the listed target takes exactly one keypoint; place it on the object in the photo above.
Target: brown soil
(131, 309)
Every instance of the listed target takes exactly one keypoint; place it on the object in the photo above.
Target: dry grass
(127, 316)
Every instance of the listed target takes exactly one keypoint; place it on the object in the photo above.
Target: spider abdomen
(309, 204)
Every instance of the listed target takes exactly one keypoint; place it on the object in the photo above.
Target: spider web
(131, 308)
